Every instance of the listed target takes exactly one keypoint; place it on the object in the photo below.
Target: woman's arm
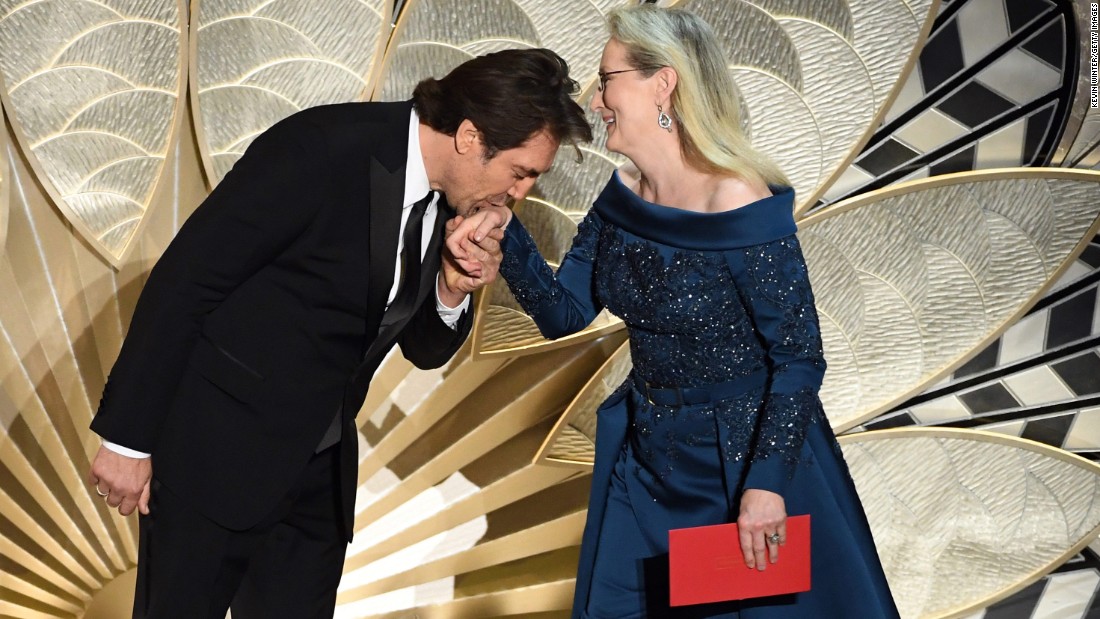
(561, 303)
(775, 288)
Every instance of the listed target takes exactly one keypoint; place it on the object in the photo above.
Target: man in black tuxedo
(258, 331)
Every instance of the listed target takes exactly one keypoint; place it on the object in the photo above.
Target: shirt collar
(416, 175)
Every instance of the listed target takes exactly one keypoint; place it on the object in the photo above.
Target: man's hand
(763, 514)
(475, 229)
(123, 482)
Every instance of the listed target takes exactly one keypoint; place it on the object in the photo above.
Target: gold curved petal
(912, 281)
(90, 87)
(258, 61)
(983, 516)
(502, 328)
(572, 442)
(815, 77)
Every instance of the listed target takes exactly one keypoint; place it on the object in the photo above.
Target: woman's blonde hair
(705, 102)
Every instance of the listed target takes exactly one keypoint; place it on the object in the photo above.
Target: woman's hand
(763, 514)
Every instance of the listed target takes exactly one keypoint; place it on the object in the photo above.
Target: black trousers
(286, 567)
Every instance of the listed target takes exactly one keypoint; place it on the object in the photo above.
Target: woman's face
(626, 101)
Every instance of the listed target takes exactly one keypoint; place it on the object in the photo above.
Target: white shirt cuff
(125, 451)
(450, 315)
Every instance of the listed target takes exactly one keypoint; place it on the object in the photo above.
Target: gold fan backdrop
(473, 480)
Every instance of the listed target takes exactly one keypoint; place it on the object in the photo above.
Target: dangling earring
(664, 121)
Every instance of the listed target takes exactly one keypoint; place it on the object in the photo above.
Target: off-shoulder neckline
(763, 220)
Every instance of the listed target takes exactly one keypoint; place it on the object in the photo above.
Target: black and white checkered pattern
(991, 89)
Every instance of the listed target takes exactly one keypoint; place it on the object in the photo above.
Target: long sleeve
(428, 341)
(775, 288)
(561, 303)
(261, 206)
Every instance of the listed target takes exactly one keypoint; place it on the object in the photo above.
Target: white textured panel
(982, 516)
(783, 126)
(93, 91)
(832, 14)
(885, 35)
(910, 281)
(258, 61)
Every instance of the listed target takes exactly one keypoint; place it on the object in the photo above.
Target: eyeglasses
(603, 76)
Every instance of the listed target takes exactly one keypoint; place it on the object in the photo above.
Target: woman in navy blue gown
(694, 247)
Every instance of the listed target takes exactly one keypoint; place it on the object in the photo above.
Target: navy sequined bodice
(687, 324)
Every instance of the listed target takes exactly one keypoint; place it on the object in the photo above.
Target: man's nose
(597, 102)
(521, 188)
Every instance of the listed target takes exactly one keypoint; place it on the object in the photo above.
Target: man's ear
(466, 137)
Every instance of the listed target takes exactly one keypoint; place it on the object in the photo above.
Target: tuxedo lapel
(387, 191)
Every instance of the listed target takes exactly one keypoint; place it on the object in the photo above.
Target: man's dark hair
(509, 96)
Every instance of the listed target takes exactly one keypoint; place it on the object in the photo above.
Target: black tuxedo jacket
(262, 318)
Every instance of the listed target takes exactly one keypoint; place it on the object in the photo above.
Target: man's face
(475, 182)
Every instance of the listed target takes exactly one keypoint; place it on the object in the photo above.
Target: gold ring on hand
(101, 493)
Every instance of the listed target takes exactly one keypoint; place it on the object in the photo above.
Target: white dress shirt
(416, 187)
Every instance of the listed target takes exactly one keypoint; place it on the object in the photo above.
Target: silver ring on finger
(774, 538)
(100, 492)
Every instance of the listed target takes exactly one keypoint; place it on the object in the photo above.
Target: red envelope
(706, 565)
